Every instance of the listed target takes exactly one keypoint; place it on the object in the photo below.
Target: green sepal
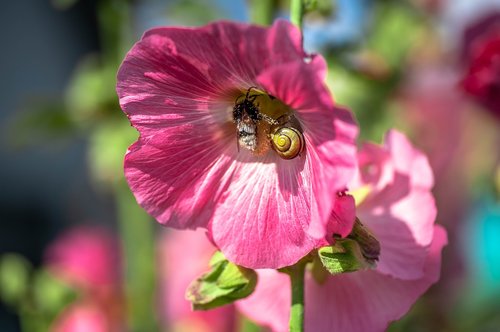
(344, 256)
(368, 243)
(318, 271)
(224, 283)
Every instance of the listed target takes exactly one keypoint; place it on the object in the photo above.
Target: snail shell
(288, 142)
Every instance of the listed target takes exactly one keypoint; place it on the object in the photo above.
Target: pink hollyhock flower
(399, 209)
(202, 162)
(184, 256)
(81, 318)
(87, 257)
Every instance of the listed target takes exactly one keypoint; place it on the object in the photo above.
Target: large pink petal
(178, 176)
(402, 221)
(359, 301)
(409, 160)
(261, 219)
(329, 131)
(175, 76)
(375, 169)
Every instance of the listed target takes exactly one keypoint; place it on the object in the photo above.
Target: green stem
(296, 274)
(136, 230)
(262, 11)
(297, 12)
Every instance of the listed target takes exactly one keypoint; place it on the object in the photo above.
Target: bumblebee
(247, 115)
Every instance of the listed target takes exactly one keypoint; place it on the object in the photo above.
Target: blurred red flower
(482, 57)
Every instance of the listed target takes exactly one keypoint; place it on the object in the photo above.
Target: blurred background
(77, 252)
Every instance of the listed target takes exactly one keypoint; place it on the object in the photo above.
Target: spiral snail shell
(288, 142)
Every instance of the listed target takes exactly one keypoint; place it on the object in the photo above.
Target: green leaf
(14, 278)
(224, 283)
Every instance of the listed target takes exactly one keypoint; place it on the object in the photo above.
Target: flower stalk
(297, 271)
(297, 12)
(296, 274)
(138, 244)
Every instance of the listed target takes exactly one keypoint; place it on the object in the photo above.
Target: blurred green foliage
(89, 109)
(36, 295)
(15, 271)
(50, 294)
(366, 77)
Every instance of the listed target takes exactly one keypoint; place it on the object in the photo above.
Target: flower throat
(263, 123)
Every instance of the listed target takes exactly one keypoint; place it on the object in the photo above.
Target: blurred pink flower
(178, 87)
(440, 121)
(89, 259)
(184, 256)
(86, 257)
(81, 318)
(435, 110)
(399, 209)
